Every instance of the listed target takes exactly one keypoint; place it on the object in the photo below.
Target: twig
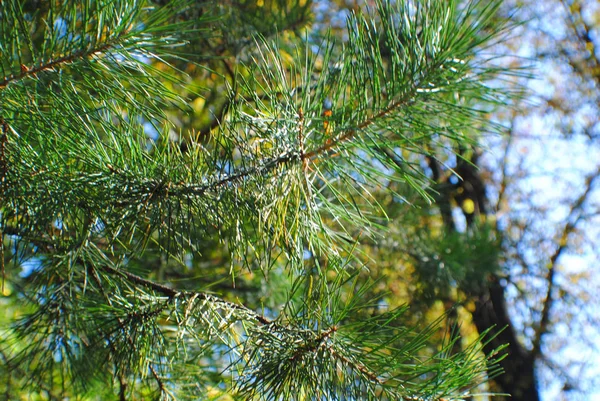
(32, 71)
(575, 215)
(314, 344)
(159, 382)
(504, 182)
(357, 366)
(352, 132)
(170, 292)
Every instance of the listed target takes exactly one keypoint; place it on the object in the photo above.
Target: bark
(491, 311)
(518, 378)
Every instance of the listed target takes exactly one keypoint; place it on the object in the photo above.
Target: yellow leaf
(7, 291)
(468, 206)
(198, 104)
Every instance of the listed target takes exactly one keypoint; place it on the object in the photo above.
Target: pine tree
(97, 184)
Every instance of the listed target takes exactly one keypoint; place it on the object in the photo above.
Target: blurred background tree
(528, 213)
(522, 206)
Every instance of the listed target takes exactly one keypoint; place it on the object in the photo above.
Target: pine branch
(351, 133)
(171, 293)
(55, 63)
(160, 189)
(161, 385)
(356, 365)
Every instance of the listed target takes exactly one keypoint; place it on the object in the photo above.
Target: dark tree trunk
(518, 378)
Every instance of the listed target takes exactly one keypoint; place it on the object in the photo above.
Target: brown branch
(291, 156)
(170, 292)
(160, 188)
(159, 382)
(356, 365)
(32, 71)
(575, 215)
(330, 143)
(321, 342)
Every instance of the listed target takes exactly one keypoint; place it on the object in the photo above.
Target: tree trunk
(518, 378)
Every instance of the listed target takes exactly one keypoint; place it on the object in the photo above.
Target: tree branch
(348, 135)
(356, 365)
(575, 215)
(170, 292)
(161, 288)
(504, 182)
(159, 382)
(31, 71)
(160, 188)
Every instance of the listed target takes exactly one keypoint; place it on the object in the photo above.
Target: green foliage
(456, 260)
(97, 185)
